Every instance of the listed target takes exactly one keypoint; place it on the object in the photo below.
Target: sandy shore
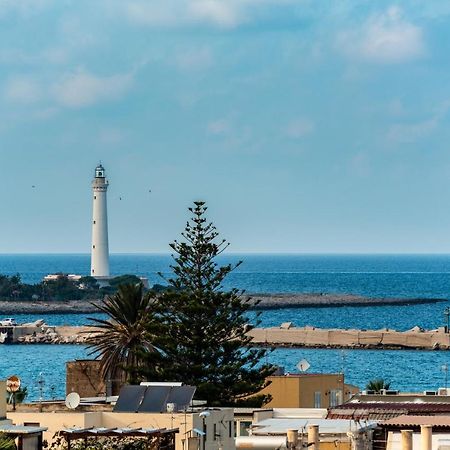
(267, 301)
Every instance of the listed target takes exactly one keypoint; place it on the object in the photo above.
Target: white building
(99, 249)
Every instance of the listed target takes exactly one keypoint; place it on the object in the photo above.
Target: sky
(307, 126)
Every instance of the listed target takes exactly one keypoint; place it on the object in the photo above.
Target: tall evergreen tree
(205, 339)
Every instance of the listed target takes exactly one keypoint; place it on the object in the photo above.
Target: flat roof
(21, 429)
(326, 426)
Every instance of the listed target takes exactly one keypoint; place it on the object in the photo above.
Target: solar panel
(155, 399)
(130, 398)
(181, 396)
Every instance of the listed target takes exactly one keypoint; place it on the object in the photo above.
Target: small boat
(3, 337)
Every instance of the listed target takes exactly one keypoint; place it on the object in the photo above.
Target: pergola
(156, 438)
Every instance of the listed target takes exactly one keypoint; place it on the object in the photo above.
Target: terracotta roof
(384, 411)
(411, 421)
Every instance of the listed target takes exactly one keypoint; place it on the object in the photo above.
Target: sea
(42, 367)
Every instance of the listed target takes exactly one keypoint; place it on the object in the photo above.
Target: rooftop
(385, 410)
(416, 421)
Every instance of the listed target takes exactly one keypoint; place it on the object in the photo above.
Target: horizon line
(275, 253)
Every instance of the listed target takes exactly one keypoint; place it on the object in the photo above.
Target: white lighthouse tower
(99, 250)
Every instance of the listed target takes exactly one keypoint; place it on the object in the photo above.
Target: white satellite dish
(303, 365)
(73, 400)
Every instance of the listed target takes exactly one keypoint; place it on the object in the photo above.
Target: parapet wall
(337, 338)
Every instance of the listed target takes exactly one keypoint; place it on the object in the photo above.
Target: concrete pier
(338, 338)
(415, 339)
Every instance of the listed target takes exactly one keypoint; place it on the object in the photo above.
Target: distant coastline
(266, 301)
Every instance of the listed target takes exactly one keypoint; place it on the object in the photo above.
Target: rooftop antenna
(444, 368)
(343, 356)
(41, 384)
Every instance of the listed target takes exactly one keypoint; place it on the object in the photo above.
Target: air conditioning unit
(429, 393)
(442, 391)
(390, 392)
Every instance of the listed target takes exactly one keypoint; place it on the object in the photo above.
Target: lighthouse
(99, 249)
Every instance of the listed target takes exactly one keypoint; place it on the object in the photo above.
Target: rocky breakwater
(40, 333)
(287, 335)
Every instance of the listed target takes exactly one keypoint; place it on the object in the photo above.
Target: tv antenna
(444, 369)
(41, 384)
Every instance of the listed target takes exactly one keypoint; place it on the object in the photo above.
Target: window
(215, 432)
(335, 397)
(93, 222)
(93, 246)
(230, 429)
(243, 428)
(95, 197)
(317, 399)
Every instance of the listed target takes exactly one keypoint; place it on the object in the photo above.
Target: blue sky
(307, 126)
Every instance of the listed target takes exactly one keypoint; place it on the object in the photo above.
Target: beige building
(217, 425)
(2, 400)
(315, 390)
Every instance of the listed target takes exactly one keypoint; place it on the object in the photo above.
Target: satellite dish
(303, 365)
(170, 408)
(73, 400)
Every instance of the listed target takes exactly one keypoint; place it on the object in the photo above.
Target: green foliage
(377, 385)
(6, 443)
(60, 289)
(88, 283)
(205, 328)
(124, 279)
(125, 339)
(20, 395)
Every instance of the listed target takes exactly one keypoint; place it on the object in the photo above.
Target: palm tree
(6, 443)
(377, 385)
(124, 340)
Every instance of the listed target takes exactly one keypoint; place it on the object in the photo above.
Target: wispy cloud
(299, 128)
(23, 8)
(82, 88)
(360, 164)
(219, 127)
(22, 90)
(413, 131)
(176, 12)
(384, 38)
(217, 13)
(194, 59)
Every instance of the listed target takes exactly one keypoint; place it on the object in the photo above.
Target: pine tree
(206, 342)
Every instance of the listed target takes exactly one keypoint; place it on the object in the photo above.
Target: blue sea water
(405, 276)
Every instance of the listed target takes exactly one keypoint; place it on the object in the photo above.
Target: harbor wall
(338, 338)
(283, 336)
